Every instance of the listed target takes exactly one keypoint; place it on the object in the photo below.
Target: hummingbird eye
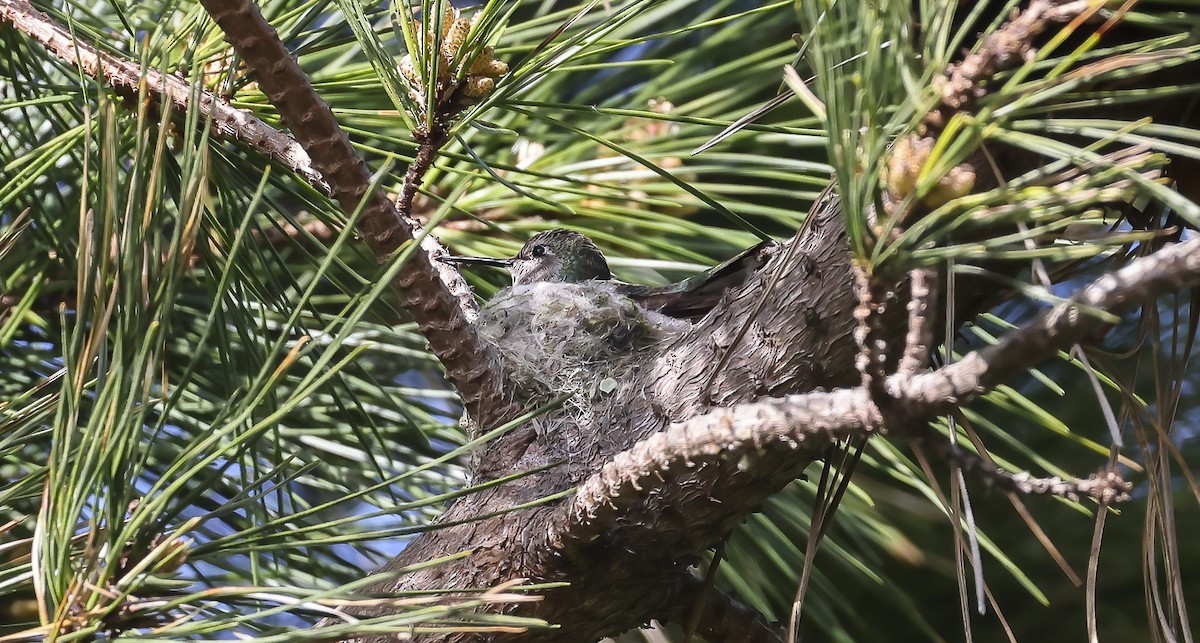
(538, 251)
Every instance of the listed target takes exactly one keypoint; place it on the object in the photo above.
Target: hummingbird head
(554, 255)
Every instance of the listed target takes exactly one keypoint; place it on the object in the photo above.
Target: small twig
(960, 89)
(1106, 487)
(919, 338)
(873, 297)
(824, 509)
(428, 146)
(710, 578)
(439, 299)
(724, 618)
(810, 548)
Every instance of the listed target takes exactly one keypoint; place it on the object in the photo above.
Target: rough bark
(632, 569)
(631, 565)
(628, 566)
(789, 331)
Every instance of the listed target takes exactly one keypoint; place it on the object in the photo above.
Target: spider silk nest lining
(551, 338)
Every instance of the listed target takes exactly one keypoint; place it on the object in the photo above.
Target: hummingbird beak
(483, 261)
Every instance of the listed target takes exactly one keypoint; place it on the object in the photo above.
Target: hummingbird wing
(695, 296)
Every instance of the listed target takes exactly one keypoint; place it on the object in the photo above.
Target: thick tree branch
(724, 434)
(799, 340)
(436, 295)
(741, 431)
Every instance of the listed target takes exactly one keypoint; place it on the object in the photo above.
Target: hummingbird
(566, 256)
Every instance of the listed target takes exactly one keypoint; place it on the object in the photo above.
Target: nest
(584, 339)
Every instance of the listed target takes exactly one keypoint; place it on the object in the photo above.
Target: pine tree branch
(961, 88)
(124, 76)
(438, 298)
(786, 423)
(436, 295)
(965, 83)
(918, 342)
